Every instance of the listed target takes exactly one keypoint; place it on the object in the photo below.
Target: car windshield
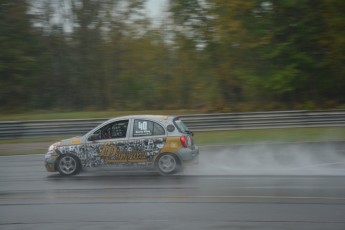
(181, 126)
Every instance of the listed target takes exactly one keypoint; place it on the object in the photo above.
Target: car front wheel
(68, 165)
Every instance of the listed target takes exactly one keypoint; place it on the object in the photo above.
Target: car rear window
(181, 126)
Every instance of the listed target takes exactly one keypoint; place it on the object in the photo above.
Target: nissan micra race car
(162, 143)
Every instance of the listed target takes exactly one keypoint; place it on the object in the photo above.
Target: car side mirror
(93, 137)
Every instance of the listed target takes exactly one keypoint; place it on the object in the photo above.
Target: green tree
(83, 64)
(18, 56)
(333, 42)
(220, 34)
(266, 52)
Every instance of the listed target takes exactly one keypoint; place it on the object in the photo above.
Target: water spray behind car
(272, 159)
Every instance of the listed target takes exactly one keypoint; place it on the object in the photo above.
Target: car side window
(117, 129)
(158, 129)
(147, 128)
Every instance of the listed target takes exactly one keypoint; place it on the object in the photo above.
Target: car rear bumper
(189, 156)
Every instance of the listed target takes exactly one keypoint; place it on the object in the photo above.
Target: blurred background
(205, 55)
(261, 82)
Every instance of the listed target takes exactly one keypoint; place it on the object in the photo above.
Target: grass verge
(270, 136)
(22, 152)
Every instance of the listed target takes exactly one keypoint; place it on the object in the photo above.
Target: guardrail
(196, 122)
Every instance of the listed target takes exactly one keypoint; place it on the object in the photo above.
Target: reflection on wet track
(241, 188)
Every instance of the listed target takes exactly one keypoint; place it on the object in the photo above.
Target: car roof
(154, 117)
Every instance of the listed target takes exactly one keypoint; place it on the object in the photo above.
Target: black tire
(167, 164)
(68, 165)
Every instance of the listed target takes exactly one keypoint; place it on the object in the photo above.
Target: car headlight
(53, 146)
(50, 156)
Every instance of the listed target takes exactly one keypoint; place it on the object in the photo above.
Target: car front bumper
(49, 161)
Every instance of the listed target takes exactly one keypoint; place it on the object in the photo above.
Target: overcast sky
(155, 8)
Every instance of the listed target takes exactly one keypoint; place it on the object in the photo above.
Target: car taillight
(184, 141)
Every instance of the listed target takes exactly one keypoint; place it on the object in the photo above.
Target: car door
(147, 138)
(108, 143)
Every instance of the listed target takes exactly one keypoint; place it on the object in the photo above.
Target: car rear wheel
(68, 165)
(167, 164)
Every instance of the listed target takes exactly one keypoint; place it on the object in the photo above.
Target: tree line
(212, 55)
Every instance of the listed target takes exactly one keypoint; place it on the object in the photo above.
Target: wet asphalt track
(244, 187)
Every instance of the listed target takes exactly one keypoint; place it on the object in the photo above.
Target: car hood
(72, 141)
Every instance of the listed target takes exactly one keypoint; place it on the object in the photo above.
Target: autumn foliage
(211, 55)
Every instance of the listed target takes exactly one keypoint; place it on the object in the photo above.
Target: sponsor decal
(112, 155)
(75, 142)
(116, 153)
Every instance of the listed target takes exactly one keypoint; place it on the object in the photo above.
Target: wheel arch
(178, 158)
(64, 154)
(176, 168)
